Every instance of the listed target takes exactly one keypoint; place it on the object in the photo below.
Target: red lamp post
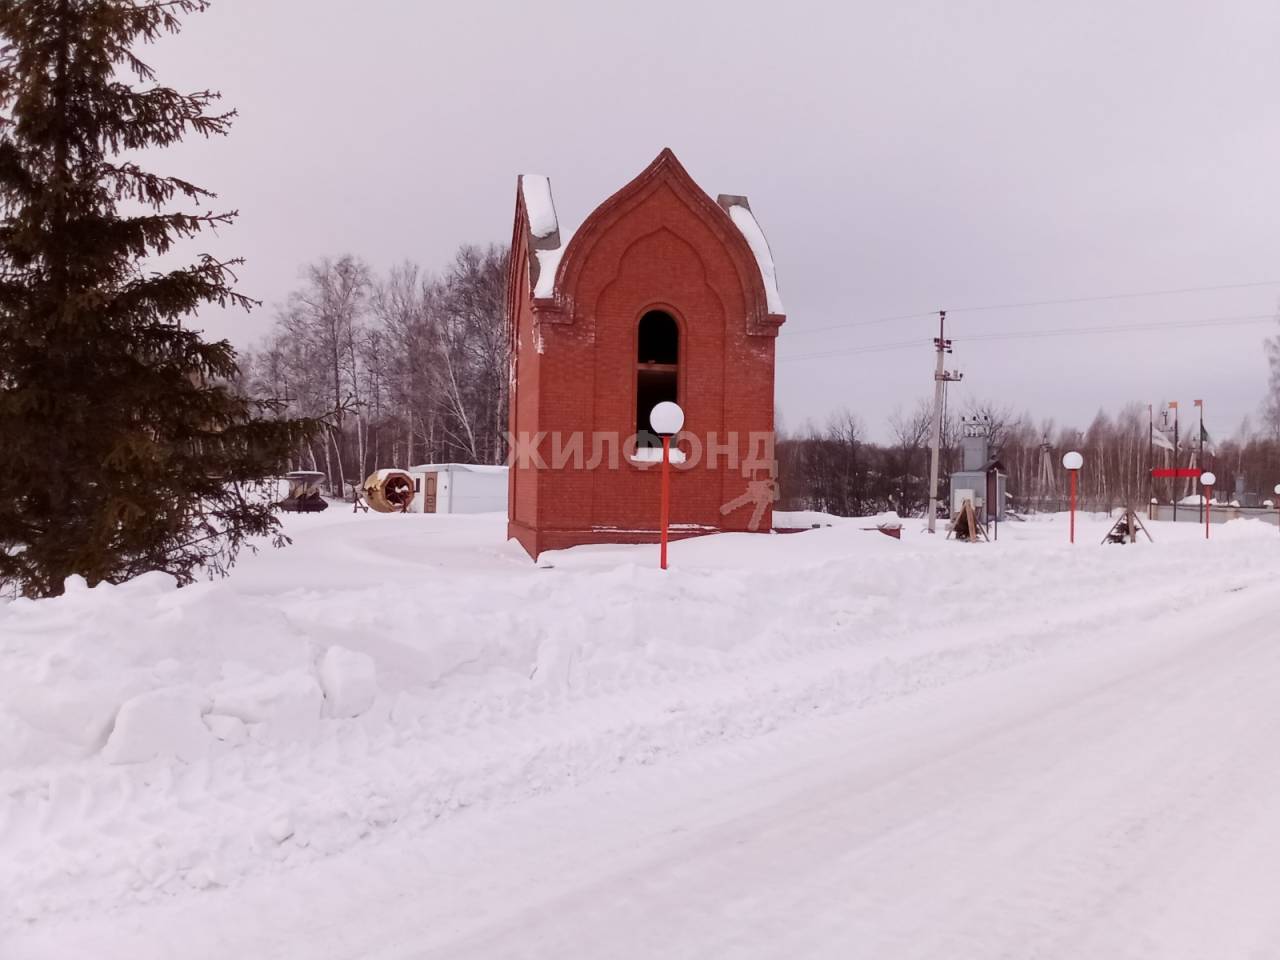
(1073, 462)
(1207, 480)
(666, 419)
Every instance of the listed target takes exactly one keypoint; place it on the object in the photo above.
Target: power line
(862, 323)
(1035, 334)
(874, 348)
(1035, 303)
(1119, 296)
(1120, 328)
(871, 348)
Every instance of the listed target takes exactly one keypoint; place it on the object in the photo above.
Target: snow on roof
(468, 467)
(548, 262)
(539, 205)
(745, 221)
(544, 226)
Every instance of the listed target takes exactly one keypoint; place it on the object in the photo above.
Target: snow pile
(350, 682)
(388, 671)
(161, 723)
(279, 707)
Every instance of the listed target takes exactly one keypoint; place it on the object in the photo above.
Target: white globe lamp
(1073, 462)
(1207, 480)
(666, 419)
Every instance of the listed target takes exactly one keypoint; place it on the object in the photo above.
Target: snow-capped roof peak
(740, 213)
(539, 205)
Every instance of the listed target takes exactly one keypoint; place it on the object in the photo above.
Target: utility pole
(1200, 464)
(941, 378)
(1177, 446)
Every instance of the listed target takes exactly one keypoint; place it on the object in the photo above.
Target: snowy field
(401, 739)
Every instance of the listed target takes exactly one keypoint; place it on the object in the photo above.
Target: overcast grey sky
(901, 157)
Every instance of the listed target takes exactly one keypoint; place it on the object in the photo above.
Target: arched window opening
(657, 369)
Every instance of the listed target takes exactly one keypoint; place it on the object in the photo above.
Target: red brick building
(661, 294)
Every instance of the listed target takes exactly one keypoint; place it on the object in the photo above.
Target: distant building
(458, 488)
(661, 294)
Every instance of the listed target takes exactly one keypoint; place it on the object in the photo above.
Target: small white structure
(458, 488)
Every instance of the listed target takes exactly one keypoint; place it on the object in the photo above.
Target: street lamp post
(1207, 480)
(1277, 493)
(1073, 462)
(666, 419)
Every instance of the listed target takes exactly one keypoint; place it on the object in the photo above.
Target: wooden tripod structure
(965, 526)
(1046, 474)
(1125, 529)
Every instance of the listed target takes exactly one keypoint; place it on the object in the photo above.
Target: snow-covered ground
(401, 739)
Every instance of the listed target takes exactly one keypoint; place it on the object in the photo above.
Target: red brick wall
(660, 243)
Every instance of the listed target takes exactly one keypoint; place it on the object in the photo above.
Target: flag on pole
(1161, 439)
(1206, 441)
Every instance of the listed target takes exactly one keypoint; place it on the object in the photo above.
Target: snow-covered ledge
(648, 455)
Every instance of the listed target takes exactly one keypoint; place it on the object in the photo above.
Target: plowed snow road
(1118, 799)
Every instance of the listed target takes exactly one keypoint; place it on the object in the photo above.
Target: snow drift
(388, 671)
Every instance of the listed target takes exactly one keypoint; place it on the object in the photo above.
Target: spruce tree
(125, 445)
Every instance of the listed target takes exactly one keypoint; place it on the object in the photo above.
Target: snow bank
(281, 707)
(161, 723)
(349, 680)
(391, 670)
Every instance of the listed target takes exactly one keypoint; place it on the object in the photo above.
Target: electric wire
(1038, 334)
(1098, 298)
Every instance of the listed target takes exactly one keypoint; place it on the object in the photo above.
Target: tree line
(836, 469)
(415, 365)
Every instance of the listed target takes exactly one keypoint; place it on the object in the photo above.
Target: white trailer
(458, 488)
